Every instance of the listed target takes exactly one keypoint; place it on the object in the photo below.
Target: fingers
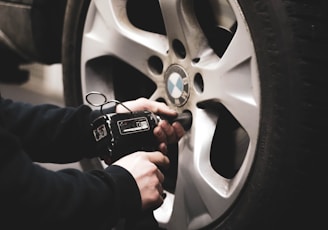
(160, 176)
(179, 130)
(158, 159)
(159, 193)
(146, 104)
(163, 148)
(160, 196)
(149, 178)
(167, 133)
(162, 108)
(156, 107)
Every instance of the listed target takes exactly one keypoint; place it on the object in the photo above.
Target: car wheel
(252, 75)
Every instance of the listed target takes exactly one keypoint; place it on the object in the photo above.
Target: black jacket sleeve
(33, 197)
(36, 198)
(50, 133)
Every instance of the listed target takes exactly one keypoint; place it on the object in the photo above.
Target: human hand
(165, 132)
(146, 104)
(143, 166)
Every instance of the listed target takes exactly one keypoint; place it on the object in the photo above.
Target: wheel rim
(183, 58)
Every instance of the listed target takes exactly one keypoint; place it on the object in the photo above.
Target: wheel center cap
(177, 85)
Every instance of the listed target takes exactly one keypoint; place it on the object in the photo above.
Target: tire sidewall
(75, 15)
(276, 195)
(71, 50)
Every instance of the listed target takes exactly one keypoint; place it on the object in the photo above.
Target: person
(34, 197)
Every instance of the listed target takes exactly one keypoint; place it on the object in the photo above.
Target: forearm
(50, 133)
(68, 197)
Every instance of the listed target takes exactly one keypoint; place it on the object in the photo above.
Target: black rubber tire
(287, 186)
(72, 34)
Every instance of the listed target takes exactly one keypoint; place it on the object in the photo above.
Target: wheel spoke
(109, 32)
(233, 82)
(237, 91)
(201, 193)
(240, 49)
(157, 94)
(181, 24)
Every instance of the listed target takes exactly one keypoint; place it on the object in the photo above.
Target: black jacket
(33, 197)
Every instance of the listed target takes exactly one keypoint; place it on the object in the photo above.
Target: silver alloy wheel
(207, 79)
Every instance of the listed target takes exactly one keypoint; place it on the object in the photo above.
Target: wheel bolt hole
(155, 65)
(199, 83)
(195, 60)
(179, 49)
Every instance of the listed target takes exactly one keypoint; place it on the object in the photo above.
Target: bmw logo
(177, 85)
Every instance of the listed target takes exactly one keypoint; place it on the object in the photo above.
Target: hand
(146, 104)
(143, 167)
(168, 134)
(165, 132)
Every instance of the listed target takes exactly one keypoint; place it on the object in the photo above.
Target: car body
(30, 31)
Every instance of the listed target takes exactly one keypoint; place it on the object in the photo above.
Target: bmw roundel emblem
(177, 85)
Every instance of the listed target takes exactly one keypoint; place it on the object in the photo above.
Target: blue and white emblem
(177, 85)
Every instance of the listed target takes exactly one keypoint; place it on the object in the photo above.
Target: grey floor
(44, 86)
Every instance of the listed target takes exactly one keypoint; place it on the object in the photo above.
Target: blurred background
(44, 85)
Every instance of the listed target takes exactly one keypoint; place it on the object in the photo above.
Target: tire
(255, 82)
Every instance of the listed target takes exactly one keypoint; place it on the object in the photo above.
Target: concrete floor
(44, 86)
